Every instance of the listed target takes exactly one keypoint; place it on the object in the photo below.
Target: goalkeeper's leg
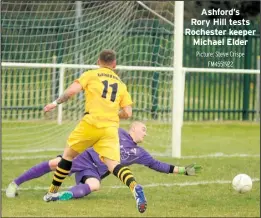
(34, 172)
(88, 185)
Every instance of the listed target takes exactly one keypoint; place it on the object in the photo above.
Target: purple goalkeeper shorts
(80, 177)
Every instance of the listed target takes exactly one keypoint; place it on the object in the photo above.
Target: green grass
(205, 200)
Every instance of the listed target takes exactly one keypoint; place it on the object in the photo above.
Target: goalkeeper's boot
(140, 198)
(65, 196)
(11, 190)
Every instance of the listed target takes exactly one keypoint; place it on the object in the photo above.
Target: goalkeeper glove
(190, 170)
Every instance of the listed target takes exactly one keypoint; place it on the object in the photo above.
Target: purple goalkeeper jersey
(130, 152)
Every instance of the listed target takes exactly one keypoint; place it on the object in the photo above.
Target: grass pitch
(209, 194)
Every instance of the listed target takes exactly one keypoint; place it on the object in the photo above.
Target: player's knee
(69, 154)
(93, 183)
(54, 163)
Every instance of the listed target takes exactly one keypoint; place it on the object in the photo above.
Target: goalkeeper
(90, 170)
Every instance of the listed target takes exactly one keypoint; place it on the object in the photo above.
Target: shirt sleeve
(126, 98)
(147, 160)
(83, 79)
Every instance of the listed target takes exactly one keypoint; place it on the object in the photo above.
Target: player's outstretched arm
(72, 90)
(147, 160)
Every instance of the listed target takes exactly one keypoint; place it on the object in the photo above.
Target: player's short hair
(135, 123)
(107, 56)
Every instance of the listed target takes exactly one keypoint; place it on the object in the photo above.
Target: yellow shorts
(105, 141)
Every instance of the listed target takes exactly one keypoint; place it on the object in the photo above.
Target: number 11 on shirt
(114, 87)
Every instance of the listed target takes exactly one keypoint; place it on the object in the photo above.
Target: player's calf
(62, 171)
(126, 176)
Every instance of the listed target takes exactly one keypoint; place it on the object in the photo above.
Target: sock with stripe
(125, 175)
(80, 190)
(62, 171)
(34, 172)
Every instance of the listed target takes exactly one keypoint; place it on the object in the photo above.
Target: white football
(242, 183)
